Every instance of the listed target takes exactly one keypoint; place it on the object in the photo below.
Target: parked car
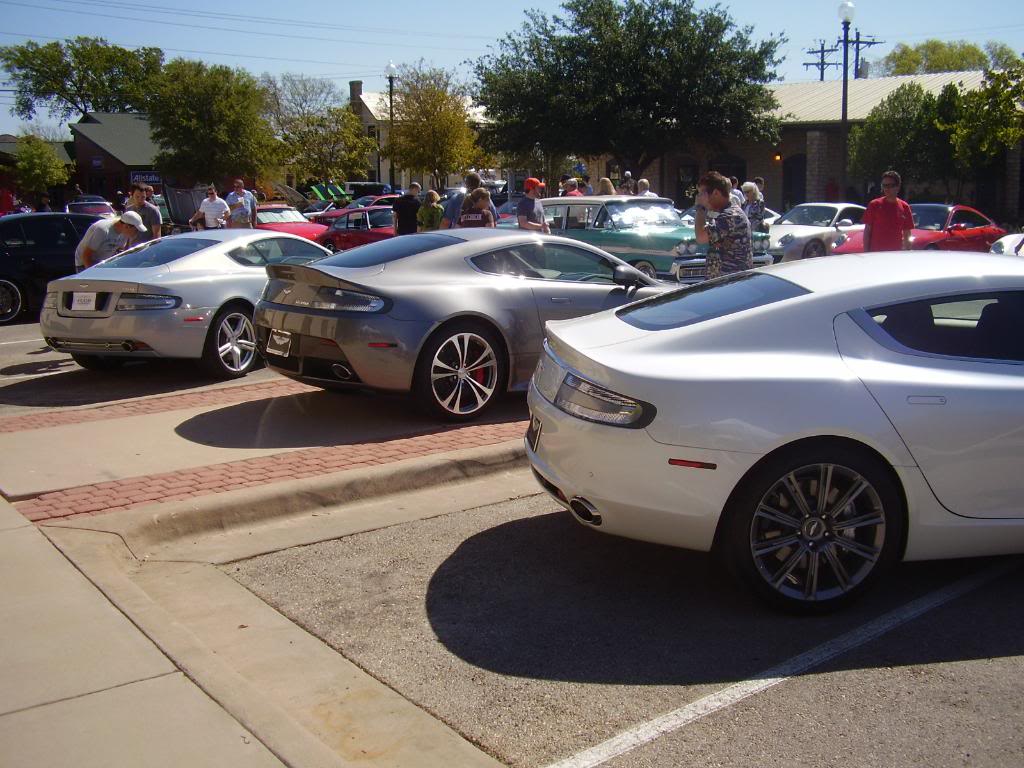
(938, 227)
(809, 230)
(358, 226)
(92, 207)
(1009, 244)
(689, 216)
(645, 232)
(454, 317)
(279, 217)
(187, 296)
(318, 207)
(166, 225)
(367, 200)
(888, 437)
(36, 248)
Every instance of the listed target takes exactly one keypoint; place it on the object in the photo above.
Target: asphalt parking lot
(541, 641)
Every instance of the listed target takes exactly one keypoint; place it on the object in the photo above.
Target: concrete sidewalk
(81, 685)
(169, 448)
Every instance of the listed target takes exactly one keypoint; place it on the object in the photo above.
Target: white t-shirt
(214, 211)
(103, 239)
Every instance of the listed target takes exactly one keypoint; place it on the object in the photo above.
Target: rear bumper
(174, 333)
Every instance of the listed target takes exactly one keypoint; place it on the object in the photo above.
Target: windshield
(156, 253)
(391, 249)
(931, 217)
(279, 216)
(809, 216)
(629, 215)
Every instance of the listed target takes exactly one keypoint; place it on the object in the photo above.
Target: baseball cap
(131, 217)
(532, 183)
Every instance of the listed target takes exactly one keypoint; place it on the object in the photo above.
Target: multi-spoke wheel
(461, 372)
(647, 268)
(812, 530)
(11, 301)
(814, 249)
(230, 350)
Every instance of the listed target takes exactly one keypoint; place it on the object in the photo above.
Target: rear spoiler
(298, 273)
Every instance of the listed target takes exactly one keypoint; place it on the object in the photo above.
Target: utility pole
(821, 65)
(859, 43)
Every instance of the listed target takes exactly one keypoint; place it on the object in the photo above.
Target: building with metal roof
(113, 149)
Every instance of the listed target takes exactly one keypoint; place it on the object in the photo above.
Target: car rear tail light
(50, 302)
(134, 301)
(588, 401)
(346, 301)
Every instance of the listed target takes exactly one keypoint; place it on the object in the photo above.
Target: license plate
(83, 302)
(533, 433)
(279, 343)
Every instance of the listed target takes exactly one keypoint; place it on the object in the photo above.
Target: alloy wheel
(814, 249)
(236, 342)
(463, 373)
(10, 301)
(817, 533)
(647, 268)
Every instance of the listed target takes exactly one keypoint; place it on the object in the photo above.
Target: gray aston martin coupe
(456, 317)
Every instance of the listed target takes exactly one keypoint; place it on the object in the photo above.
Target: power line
(821, 65)
(858, 43)
(276, 35)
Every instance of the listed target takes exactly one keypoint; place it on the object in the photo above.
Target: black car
(36, 248)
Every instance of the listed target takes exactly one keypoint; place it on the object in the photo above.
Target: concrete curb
(157, 524)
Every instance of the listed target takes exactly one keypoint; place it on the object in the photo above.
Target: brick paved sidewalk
(202, 481)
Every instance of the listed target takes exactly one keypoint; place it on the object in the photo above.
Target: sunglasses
(889, 186)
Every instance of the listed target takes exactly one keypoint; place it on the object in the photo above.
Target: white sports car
(810, 230)
(814, 422)
(1010, 245)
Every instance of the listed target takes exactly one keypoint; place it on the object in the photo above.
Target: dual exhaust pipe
(584, 511)
(343, 372)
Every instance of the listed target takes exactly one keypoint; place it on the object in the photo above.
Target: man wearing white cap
(106, 237)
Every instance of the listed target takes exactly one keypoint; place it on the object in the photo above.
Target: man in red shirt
(888, 220)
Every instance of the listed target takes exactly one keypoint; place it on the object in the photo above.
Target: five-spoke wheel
(810, 533)
(461, 372)
(230, 350)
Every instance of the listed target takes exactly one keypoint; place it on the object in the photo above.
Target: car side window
(381, 219)
(11, 235)
(357, 221)
(518, 261)
(296, 252)
(554, 215)
(48, 232)
(602, 220)
(579, 216)
(984, 326)
(970, 218)
(853, 214)
(563, 262)
(248, 256)
(270, 250)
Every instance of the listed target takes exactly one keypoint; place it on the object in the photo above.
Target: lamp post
(390, 72)
(846, 10)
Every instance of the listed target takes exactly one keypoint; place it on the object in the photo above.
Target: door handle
(561, 300)
(926, 400)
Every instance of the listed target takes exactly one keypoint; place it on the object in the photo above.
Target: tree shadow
(545, 598)
(315, 419)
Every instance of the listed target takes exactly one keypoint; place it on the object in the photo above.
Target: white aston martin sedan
(813, 422)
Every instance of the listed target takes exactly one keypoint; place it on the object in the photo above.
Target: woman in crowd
(428, 217)
(605, 186)
(753, 206)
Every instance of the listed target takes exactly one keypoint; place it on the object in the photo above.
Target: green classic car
(646, 232)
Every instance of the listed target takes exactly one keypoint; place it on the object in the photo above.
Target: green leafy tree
(208, 122)
(37, 166)
(992, 117)
(86, 74)
(292, 97)
(432, 132)
(940, 56)
(329, 145)
(633, 79)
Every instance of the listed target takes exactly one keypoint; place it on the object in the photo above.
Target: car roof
(829, 205)
(45, 214)
(225, 235)
(600, 199)
(857, 271)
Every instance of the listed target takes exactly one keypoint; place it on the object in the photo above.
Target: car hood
(301, 229)
(669, 234)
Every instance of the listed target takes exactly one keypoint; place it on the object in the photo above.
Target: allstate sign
(144, 177)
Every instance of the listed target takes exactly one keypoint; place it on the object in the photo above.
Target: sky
(347, 41)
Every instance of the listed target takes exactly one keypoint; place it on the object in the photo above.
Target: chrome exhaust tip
(128, 346)
(585, 511)
(343, 372)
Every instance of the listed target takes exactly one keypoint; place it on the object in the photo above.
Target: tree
(82, 75)
(297, 97)
(630, 78)
(37, 167)
(209, 124)
(432, 132)
(939, 56)
(992, 117)
(329, 145)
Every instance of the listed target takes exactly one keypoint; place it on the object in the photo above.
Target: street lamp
(390, 72)
(846, 10)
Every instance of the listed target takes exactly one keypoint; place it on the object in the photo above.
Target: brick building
(111, 151)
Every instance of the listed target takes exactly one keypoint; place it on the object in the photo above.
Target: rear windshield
(706, 301)
(384, 251)
(95, 208)
(156, 253)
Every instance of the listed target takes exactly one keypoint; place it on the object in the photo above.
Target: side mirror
(628, 276)
(845, 223)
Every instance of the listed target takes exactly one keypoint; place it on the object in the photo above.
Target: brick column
(1011, 191)
(817, 165)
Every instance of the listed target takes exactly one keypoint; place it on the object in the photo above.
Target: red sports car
(939, 227)
(359, 226)
(280, 217)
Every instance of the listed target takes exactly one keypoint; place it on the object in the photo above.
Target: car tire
(808, 554)
(461, 372)
(814, 249)
(98, 362)
(647, 268)
(230, 348)
(12, 301)
(329, 245)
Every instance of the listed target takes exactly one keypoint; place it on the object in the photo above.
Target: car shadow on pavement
(545, 598)
(317, 419)
(75, 386)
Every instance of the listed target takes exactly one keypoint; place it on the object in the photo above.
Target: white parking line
(23, 341)
(673, 721)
